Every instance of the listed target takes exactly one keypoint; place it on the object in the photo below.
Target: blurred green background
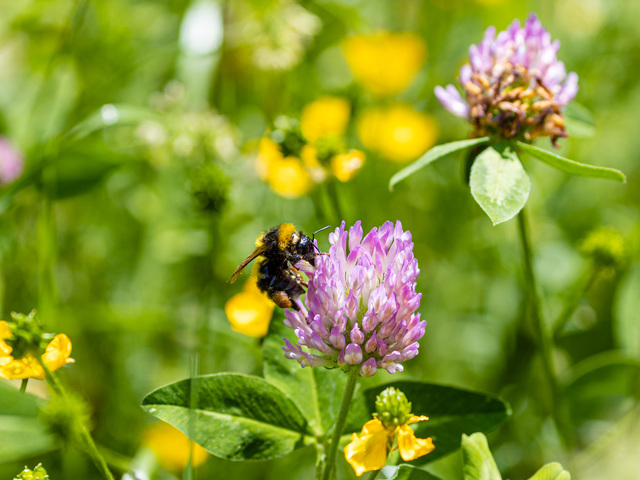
(139, 123)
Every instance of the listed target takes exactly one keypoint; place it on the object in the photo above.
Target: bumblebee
(279, 250)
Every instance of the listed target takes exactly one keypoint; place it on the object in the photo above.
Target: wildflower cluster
(385, 64)
(361, 303)
(514, 85)
(296, 155)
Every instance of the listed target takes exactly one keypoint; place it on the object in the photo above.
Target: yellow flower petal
(171, 447)
(399, 132)
(58, 352)
(385, 63)
(309, 156)
(327, 116)
(368, 451)
(346, 165)
(56, 355)
(249, 312)
(288, 178)
(411, 447)
(416, 419)
(5, 332)
(268, 154)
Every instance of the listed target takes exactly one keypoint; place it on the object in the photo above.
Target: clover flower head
(360, 307)
(514, 84)
(11, 162)
(368, 451)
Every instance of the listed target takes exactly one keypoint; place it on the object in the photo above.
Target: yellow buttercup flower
(399, 132)
(172, 447)
(368, 451)
(385, 63)
(325, 117)
(249, 311)
(286, 176)
(346, 165)
(56, 355)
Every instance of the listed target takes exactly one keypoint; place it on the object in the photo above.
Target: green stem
(335, 201)
(23, 385)
(92, 450)
(543, 338)
(373, 475)
(342, 417)
(573, 303)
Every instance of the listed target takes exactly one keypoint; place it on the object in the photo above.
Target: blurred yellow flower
(385, 63)
(325, 117)
(249, 311)
(56, 355)
(286, 176)
(346, 165)
(398, 132)
(172, 447)
(368, 451)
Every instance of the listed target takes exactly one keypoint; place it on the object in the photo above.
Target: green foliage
(571, 167)
(478, 462)
(233, 416)
(499, 182)
(434, 154)
(21, 433)
(405, 472)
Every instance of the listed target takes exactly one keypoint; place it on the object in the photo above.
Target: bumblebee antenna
(313, 237)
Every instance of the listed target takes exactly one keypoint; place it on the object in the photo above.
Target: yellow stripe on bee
(285, 231)
(259, 240)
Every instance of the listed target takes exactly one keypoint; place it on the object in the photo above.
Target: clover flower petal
(360, 307)
(11, 162)
(514, 84)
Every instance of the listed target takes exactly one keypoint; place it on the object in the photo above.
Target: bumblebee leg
(283, 301)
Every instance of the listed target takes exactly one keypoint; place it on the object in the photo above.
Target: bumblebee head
(287, 236)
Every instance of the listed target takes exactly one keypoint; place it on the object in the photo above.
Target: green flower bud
(606, 247)
(28, 334)
(38, 473)
(329, 147)
(392, 407)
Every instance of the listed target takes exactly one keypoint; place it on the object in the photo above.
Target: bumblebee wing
(256, 253)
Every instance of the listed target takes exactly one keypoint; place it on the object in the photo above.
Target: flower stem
(544, 339)
(23, 385)
(573, 303)
(92, 450)
(342, 417)
(373, 475)
(332, 190)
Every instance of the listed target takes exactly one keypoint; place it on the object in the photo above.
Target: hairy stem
(342, 417)
(543, 337)
(90, 445)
